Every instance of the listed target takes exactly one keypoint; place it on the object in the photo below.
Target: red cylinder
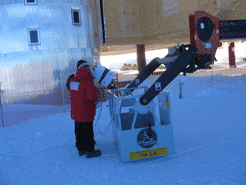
(199, 39)
(141, 57)
(231, 51)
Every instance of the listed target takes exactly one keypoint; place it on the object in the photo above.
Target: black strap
(68, 81)
(103, 75)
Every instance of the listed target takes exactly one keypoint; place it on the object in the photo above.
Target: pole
(212, 76)
(141, 60)
(231, 51)
(180, 87)
(63, 92)
(180, 90)
(1, 110)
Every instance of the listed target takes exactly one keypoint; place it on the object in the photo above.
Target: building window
(30, 2)
(33, 36)
(76, 16)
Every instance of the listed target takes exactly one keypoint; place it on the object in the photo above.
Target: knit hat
(85, 64)
(81, 62)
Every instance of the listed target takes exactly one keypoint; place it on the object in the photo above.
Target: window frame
(32, 3)
(72, 12)
(29, 36)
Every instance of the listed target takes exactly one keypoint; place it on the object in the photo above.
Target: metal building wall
(37, 74)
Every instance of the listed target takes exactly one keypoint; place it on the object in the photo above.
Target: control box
(139, 134)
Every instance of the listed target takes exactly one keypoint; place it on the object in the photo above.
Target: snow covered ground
(209, 127)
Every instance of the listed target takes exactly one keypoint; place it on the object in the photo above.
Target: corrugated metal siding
(29, 71)
(83, 2)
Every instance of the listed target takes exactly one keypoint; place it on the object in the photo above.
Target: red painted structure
(141, 60)
(231, 51)
(196, 23)
(206, 31)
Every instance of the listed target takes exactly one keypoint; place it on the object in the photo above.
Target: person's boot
(81, 152)
(95, 153)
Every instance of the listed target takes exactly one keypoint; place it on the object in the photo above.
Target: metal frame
(112, 95)
(76, 10)
(29, 36)
(1, 110)
(31, 3)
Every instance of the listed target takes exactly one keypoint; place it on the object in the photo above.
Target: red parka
(83, 95)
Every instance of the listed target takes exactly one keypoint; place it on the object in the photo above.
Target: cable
(100, 98)
(106, 129)
(99, 105)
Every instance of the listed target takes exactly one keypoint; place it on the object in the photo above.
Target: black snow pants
(84, 136)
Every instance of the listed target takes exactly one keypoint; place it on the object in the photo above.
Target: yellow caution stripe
(148, 153)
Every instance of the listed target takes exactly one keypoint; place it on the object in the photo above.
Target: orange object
(204, 34)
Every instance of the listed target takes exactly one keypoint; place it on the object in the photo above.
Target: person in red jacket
(83, 95)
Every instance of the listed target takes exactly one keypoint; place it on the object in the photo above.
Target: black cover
(205, 31)
(232, 29)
